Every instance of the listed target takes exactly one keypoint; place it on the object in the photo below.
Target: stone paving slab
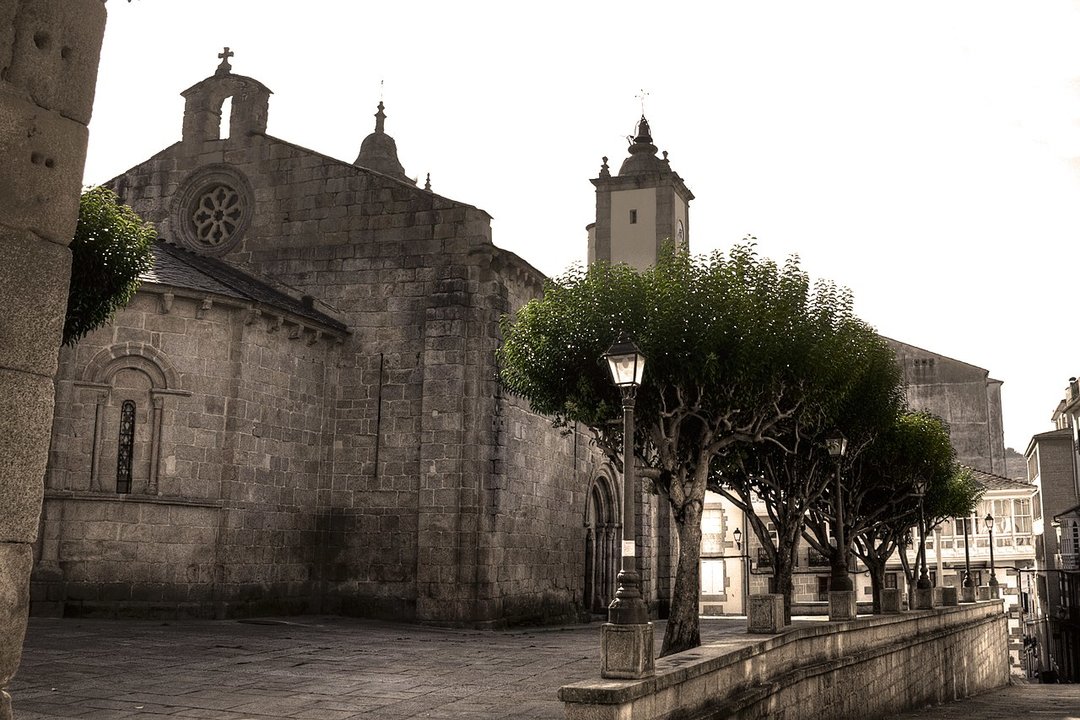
(329, 668)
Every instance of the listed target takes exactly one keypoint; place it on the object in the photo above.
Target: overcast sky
(924, 154)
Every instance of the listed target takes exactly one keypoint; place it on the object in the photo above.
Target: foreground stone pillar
(949, 597)
(843, 605)
(924, 598)
(967, 594)
(765, 613)
(626, 651)
(890, 601)
(49, 55)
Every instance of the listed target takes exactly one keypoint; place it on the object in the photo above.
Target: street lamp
(989, 520)
(924, 577)
(837, 447)
(627, 657)
(969, 584)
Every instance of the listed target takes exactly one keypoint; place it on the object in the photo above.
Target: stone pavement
(329, 668)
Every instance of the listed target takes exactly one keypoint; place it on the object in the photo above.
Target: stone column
(48, 56)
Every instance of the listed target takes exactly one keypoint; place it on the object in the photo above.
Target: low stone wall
(867, 668)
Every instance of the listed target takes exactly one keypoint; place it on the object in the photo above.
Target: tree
(794, 476)
(731, 343)
(915, 450)
(111, 248)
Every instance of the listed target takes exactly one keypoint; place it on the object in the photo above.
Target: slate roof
(997, 482)
(176, 267)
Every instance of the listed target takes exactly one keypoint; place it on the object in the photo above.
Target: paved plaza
(329, 668)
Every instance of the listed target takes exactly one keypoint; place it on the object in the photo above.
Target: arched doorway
(602, 534)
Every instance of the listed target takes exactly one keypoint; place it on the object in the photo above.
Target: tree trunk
(682, 624)
(876, 566)
(782, 581)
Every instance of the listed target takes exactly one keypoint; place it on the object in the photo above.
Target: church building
(299, 410)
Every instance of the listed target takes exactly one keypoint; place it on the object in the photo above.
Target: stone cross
(225, 67)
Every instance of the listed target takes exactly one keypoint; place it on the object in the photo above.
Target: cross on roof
(225, 55)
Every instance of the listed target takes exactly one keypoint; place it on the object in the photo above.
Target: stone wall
(868, 668)
(964, 396)
(232, 426)
(48, 72)
(384, 475)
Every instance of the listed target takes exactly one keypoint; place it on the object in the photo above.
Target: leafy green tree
(915, 450)
(111, 248)
(735, 345)
(794, 477)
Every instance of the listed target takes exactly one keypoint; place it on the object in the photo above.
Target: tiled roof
(997, 482)
(180, 268)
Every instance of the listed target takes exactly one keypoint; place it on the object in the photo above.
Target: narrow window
(633, 217)
(226, 119)
(125, 446)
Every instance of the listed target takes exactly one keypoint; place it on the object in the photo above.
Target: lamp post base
(924, 598)
(626, 651)
(842, 605)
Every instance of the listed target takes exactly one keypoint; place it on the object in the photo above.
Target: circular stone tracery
(213, 209)
(217, 215)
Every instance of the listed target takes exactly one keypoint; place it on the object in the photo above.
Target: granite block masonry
(48, 69)
(299, 410)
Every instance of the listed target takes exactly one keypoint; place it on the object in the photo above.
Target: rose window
(217, 215)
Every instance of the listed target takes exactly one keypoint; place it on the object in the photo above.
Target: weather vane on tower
(642, 97)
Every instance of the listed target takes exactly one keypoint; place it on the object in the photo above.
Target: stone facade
(317, 423)
(965, 396)
(48, 71)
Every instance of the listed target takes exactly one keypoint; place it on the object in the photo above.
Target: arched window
(125, 447)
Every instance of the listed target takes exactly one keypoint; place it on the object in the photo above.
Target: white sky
(925, 154)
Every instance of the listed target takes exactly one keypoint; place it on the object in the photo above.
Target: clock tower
(641, 208)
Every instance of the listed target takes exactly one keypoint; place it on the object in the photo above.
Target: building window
(125, 447)
(633, 217)
(890, 581)
(712, 538)
(823, 588)
(1036, 505)
(712, 577)
(1022, 515)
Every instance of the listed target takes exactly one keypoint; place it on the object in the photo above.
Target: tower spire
(380, 119)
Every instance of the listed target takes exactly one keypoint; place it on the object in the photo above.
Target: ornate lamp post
(747, 566)
(843, 605)
(989, 520)
(924, 577)
(969, 584)
(841, 580)
(627, 637)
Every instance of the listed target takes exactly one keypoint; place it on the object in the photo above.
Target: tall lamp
(627, 657)
(989, 520)
(969, 583)
(924, 577)
(841, 580)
